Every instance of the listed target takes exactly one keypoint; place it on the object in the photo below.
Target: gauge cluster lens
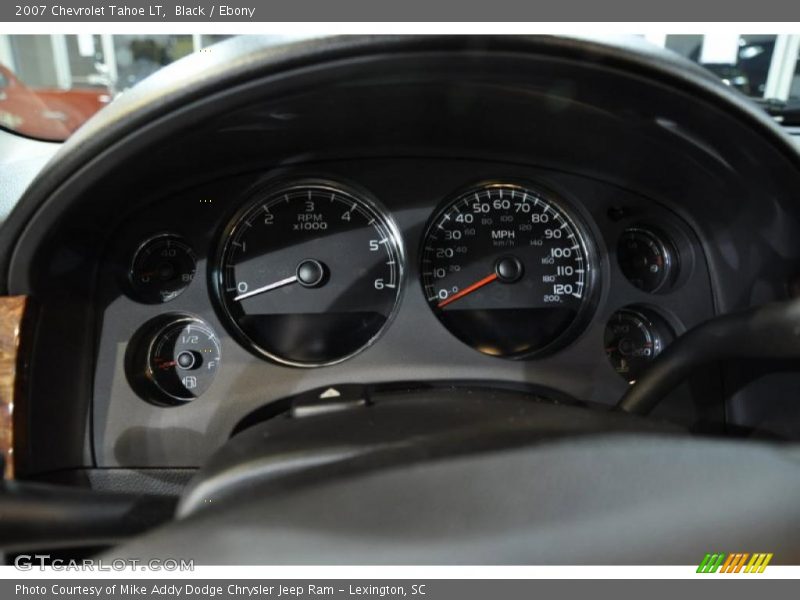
(309, 274)
(507, 270)
(162, 268)
(647, 259)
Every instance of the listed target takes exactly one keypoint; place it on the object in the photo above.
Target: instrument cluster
(310, 272)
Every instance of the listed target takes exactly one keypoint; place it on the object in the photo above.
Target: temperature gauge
(178, 363)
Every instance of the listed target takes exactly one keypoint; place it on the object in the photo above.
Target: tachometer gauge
(508, 270)
(309, 274)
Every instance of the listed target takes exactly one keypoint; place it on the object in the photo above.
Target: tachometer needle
(267, 288)
(468, 290)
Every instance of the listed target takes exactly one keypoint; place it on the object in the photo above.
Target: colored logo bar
(739, 562)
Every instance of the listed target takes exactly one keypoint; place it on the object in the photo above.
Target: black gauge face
(309, 274)
(162, 268)
(633, 338)
(647, 259)
(507, 270)
(182, 359)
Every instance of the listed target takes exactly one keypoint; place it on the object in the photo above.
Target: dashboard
(481, 212)
(219, 299)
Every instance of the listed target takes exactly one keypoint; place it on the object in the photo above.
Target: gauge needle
(267, 288)
(468, 290)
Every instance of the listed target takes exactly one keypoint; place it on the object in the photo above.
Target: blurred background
(50, 84)
(85, 60)
(761, 66)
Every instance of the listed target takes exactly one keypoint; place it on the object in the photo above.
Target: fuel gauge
(176, 361)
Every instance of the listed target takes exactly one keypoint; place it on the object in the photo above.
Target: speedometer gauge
(508, 270)
(309, 274)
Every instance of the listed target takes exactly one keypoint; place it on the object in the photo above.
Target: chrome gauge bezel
(265, 193)
(586, 240)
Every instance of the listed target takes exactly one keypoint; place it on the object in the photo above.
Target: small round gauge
(507, 269)
(162, 268)
(182, 359)
(309, 274)
(647, 258)
(633, 338)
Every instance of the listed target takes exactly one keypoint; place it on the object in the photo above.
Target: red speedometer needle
(468, 290)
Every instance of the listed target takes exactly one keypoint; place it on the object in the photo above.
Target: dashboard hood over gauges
(662, 198)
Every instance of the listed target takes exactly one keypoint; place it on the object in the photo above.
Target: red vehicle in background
(46, 113)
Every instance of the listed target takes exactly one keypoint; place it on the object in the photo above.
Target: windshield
(51, 84)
